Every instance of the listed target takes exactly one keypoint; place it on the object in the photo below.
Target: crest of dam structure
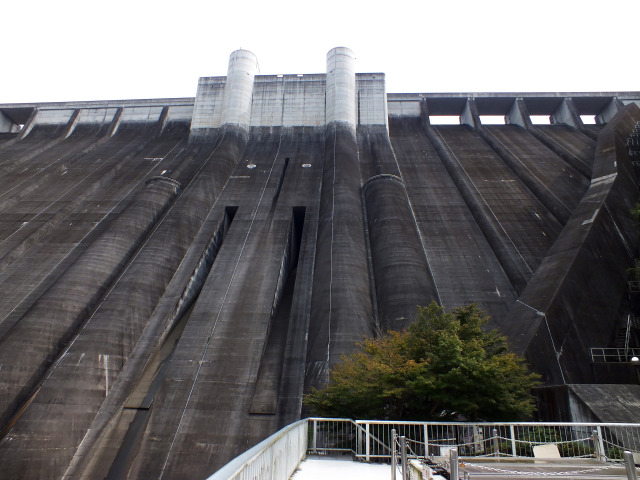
(176, 273)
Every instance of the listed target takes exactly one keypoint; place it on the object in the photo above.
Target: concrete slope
(529, 227)
(228, 331)
(55, 315)
(464, 266)
(573, 301)
(562, 181)
(575, 147)
(36, 254)
(115, 327)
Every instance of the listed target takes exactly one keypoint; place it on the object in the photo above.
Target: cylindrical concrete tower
(238, 90)
(341, 86)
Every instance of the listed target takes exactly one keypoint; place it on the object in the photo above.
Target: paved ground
(342, 468)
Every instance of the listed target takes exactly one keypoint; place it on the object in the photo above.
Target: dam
(176, 273)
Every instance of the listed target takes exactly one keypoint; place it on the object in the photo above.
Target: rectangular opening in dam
(267, 387)
(492, 119)
(444, 119)
(588, 119)
(540, 119)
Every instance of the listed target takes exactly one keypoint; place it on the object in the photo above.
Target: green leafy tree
(444, 366)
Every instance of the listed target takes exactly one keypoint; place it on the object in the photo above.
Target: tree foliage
(444, 367)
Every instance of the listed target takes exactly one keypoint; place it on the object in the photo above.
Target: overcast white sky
(84, 50)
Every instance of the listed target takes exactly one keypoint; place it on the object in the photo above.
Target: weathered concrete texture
(591, 403)
(399, 264)
(175, 274)
(442, 214)
(341, 308)
(561, 314)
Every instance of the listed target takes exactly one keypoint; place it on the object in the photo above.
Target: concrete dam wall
(176, 273)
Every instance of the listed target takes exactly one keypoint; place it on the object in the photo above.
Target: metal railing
(275, 458)
(615, 355)
(369, 440)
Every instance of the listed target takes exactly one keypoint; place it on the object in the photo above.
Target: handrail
(275, 458)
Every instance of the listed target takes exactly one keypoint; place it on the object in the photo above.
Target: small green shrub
(615, 453)
(575, 449)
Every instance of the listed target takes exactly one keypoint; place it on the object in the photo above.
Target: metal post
(314, 445)
(394, 457)
(630, 465)
(513, 441)
(454, 464)
(603, 452)
(403, 457)
(597, 446)
(496, 444)
(368, 443)
(426, 440)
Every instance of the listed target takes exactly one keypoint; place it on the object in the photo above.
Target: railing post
(496, 444)
(367, 446)
(426, 440)
(630, 466)
(394, 457)
(598, 446)
(403, 456)
(314, 445)
(453, 458)
(513, 441)
(603, 453)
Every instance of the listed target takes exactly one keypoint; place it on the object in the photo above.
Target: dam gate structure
(176, 273)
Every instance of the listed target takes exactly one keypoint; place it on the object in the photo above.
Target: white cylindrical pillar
(341, 86)
(238, 90)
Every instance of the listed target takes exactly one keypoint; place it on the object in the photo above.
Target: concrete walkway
(339, 468)
(317, 467)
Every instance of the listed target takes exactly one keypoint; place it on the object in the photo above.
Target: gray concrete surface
(173, 282)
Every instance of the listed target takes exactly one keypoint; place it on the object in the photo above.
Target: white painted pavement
(343, 468)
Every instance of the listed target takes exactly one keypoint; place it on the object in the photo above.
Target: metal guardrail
(275, 458)
(615, 355)
(369, 440)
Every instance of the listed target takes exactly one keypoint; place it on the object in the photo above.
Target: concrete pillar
(341, 86)
(402, 275)
(566, 113)
(469, 115)
(519, 114)
(238, 90)
(608, 112)
(6, 124)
